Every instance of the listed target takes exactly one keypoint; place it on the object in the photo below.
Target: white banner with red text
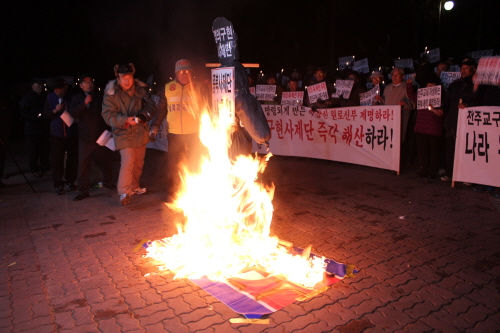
(477, 149)
(365, 135)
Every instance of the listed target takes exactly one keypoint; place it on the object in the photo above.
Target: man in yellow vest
(181, 102)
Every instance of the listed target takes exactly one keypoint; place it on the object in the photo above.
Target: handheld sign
(344, 61)
(317, 91)
(488, 71)
(292, 98)
(343, 88)
(448, 77)
(429, 96)
(361, 66)
(404, 63)
(265, 92)
(367, 98)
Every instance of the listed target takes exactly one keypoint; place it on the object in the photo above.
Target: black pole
(11, 156)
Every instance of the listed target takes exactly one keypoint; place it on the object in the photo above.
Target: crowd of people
(61, 128)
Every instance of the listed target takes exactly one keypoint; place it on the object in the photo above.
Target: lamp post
(448, 5)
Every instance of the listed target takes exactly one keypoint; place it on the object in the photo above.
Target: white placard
(343, 88)
(106, 139)
(433, 55)
(265, 92)
(292, 98)
(368, 98)
(223, 94)
(67, 118)
(317, 91)
(488, 71)
(477, 149)
(361, 66)
(448, 77)
(429, 96)
(404, 63)
(360, 135)
(344, 61)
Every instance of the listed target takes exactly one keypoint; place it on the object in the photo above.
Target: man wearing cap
(36, 128)
(63, 138)
(181, 102)
(127, 108)
(377, 77)
(86, 106)
(460, 95)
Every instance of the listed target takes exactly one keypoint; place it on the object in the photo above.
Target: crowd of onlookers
(65, 149)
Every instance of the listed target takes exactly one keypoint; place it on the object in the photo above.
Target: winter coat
(118, 105)
(58, 127)
(31, 106)
(461, 89)
(91, 124)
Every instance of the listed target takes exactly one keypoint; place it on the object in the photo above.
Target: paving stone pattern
(428, 255)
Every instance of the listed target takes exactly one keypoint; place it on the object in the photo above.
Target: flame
(226, 219)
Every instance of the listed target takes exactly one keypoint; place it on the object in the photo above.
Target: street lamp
(448, 5)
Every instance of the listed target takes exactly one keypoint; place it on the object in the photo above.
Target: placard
(317, 91)
(343, 88)
(361, 66)
(292, 98)
(368, 98)
(448, 77)
(265, 92)
(223, 94)
(344, 61)
(429, 96)
(404, 63)
(488, 71)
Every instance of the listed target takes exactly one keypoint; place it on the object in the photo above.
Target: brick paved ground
(70, 267)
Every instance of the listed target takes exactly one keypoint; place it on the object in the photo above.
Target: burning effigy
(223, 240)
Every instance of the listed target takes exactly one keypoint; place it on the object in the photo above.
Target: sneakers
(125, 199)
(446, 179)
(139, 190)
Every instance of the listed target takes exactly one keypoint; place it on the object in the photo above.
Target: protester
(63, 138)
(293, 84)
(86, 106)
(271, 80)
(320, 76)
(181, 105)
(127, 108)
(458, 96)
(36, 129)
(377, 77)
(442, 66)
(357, 89)
(428, 131)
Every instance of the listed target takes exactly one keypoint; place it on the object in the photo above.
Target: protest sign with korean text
(368, 98)
(448, 77)
(292, 98)
(360, 135)
(343, 88)
(429, 96)
(433, 55)
(344, 61)
(404, 63)
(488, 71)
(223, 94)
(477, 150)
(265, 92)
(483, 53)
(317, 91)
(361, 66)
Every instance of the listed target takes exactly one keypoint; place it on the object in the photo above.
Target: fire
(225, 229)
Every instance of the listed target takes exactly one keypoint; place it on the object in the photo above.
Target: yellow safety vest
(183, 109)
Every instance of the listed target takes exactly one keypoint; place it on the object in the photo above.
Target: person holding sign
(321, 103)
(63, 137)
(460, 94)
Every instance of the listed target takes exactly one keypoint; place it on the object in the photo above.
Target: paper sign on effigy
(488, 71)
(223, 94)
(317, 91)
(404, 63)
(361, 66)
(429, 96)
(265, 92)
(448, 77)
(344, 61)
(292, 98)
(343, 88)
(368, 97)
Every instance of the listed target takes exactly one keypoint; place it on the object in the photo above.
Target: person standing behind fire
(127, 108)
(180, 103)
(63, 138)
(86, 106)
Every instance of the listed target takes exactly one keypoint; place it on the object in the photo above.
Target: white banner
(292, 98)
(488, 71)
(223, 94)
(317, 91)
(361, 135)
(404, 63)
(344, 61)
(361, 66)
(368, 98)
(429, 96)
(477, 150)
(265, 92)
(448, 77)
(343, 88)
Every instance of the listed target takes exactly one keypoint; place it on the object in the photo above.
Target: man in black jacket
(458, 96)
(87, 106)
(36, 129)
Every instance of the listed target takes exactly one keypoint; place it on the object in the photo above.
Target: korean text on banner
(359, 135)
(317, 91)
(477, 149)
(488, 71)
(292, 98)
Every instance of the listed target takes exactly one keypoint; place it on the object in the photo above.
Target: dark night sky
(51, 38)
